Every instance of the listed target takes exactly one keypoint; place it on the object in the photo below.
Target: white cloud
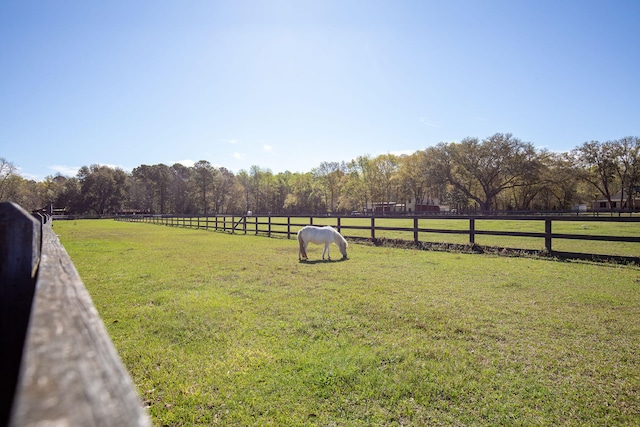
(26, 175)
(430, 123)
(188, 163)
(233, 141)
(65, 170)
(402, 152)
(70, 171)
(238, 156)
(267, 148)
(124, 168)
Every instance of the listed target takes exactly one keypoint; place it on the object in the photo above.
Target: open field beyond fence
(233, 330)
(577, 237)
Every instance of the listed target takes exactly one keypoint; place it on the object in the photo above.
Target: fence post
(373, 228)
(288, 227)
(338, 226)
(20, 237)
(269, 226)
(244, 224)
(415, 230)
(472, 231)
(547, 234)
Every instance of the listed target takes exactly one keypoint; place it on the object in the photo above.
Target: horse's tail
(301, 245)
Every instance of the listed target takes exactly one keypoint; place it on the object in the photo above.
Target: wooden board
(71, 374)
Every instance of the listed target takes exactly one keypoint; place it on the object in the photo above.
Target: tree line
(500, 172)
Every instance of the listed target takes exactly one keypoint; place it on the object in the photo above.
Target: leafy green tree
(357, 186)
(152, 184)
(382, 180)
(244, 180)
(204, 174)
(306, 194)
(222, 190)
(281, 189)
(559, 184)
(182, 190)
(412, 182)
(69, 195)
(483, 170)
(103, 189)
(329, 176)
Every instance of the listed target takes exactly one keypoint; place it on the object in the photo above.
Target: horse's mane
(341, 237)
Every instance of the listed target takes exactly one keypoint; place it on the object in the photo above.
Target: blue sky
(286, 85)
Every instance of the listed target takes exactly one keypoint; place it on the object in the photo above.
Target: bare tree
(7, 172)
(596, 164)
(626, 151)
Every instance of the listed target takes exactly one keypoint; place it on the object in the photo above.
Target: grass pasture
(220, 329)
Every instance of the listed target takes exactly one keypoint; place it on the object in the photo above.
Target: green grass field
(220, 329)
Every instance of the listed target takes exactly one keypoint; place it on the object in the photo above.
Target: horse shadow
(320, 261)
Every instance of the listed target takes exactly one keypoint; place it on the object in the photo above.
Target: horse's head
(343, 247)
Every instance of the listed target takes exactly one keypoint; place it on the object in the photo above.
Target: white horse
(320, 235)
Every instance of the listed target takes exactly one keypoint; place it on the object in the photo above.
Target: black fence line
(265, 224)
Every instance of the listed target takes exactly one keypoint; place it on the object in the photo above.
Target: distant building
(411, 207)
(617, 204)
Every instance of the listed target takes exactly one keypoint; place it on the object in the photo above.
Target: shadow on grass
(319, 261)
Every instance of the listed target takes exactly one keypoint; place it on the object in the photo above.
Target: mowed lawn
(220, 329)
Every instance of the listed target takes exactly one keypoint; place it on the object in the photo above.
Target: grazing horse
(320, 235)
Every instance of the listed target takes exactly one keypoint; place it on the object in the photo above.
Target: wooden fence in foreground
(58, 366)
(372, 227)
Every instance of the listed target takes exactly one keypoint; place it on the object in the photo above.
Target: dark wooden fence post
(373, 228)
(338, 226)
(547, 234)
(288, 227)
(415, 230)
(472, 231)
(69, 372)
(20, 236)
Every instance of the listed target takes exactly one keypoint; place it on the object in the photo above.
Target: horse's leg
(326, 249)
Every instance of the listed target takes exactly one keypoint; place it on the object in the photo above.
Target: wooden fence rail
(57, 363)
(289, 225)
